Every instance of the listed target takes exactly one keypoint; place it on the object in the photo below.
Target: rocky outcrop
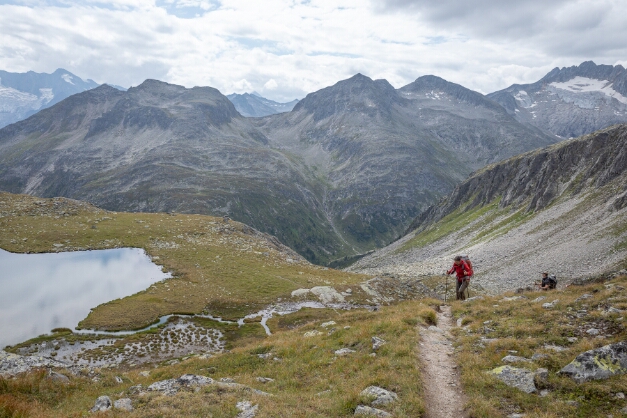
(597, 364)
(12, 364)
(518, 378)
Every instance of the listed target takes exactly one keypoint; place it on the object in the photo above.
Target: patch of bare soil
(443, 393)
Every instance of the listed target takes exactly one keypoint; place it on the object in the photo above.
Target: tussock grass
(309, 379)
(524, 327)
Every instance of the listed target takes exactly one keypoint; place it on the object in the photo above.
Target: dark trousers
(461, 287)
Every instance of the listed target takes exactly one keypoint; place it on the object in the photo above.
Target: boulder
(103, 403)
(521, 379)
(371, 412)
(124, 404)
(381, 396)
(344, 351)
(598, 364)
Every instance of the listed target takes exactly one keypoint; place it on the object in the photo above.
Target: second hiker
(463, 270)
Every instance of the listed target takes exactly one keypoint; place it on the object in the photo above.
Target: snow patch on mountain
(12, 100)
(590, 85)
(67, 78)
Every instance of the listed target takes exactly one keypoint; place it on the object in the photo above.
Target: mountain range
(345, 171)
(570, 101)
(253, 105)
(24, 94)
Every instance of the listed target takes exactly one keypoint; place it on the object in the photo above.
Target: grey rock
(12, 364)
(538, 356)
(377, 343)
(145, 373)
(344, 352)
(514, 359)
(381, 396)
(557, 348)
(584, 297)
(264, 380)
(194, 380)
(103, 403)
(368, 411)
(572, 339)
(544, 393)
(247, 409)
(227, 380)
(521, 379)
(572, 403)
(433, 328)
(597, 364)
(620, 395)
(58, 377)
(516, 416)
(124, 404)
(168, 387)
(539, 299)
(593, 331)
(118, 379)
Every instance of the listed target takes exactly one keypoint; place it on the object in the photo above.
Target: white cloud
(239, 45)
(270, 85)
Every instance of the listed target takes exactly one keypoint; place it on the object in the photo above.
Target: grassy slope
(306, 370)
(224, 268)
(525, 327)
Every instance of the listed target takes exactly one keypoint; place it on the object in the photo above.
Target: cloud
(239, 45)
(270, 85)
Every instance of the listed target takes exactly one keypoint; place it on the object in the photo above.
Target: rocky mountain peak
(358, 94)
(431, 84)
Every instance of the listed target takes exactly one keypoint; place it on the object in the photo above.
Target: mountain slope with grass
(562, 209)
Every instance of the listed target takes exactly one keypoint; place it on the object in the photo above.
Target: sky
(284, 49)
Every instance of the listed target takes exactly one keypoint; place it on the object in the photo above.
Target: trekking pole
(446, 291)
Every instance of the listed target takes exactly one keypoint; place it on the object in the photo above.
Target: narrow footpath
(443, 394)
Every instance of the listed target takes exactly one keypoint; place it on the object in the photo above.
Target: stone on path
(103, 403)
(521, 379)
(371, 412)
(597, 364)
(435, 329)
(123, 404)
(381, 396)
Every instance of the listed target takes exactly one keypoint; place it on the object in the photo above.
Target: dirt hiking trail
(443, 394)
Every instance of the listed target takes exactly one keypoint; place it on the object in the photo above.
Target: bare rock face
(598, 364)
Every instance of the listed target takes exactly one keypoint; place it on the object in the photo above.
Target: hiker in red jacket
(463, 271)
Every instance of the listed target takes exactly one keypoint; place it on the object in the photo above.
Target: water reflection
(39, 292)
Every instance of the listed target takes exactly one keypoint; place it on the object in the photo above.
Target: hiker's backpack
(467, 260)
(552, 281)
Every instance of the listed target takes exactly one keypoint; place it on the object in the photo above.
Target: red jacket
(462, 269)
